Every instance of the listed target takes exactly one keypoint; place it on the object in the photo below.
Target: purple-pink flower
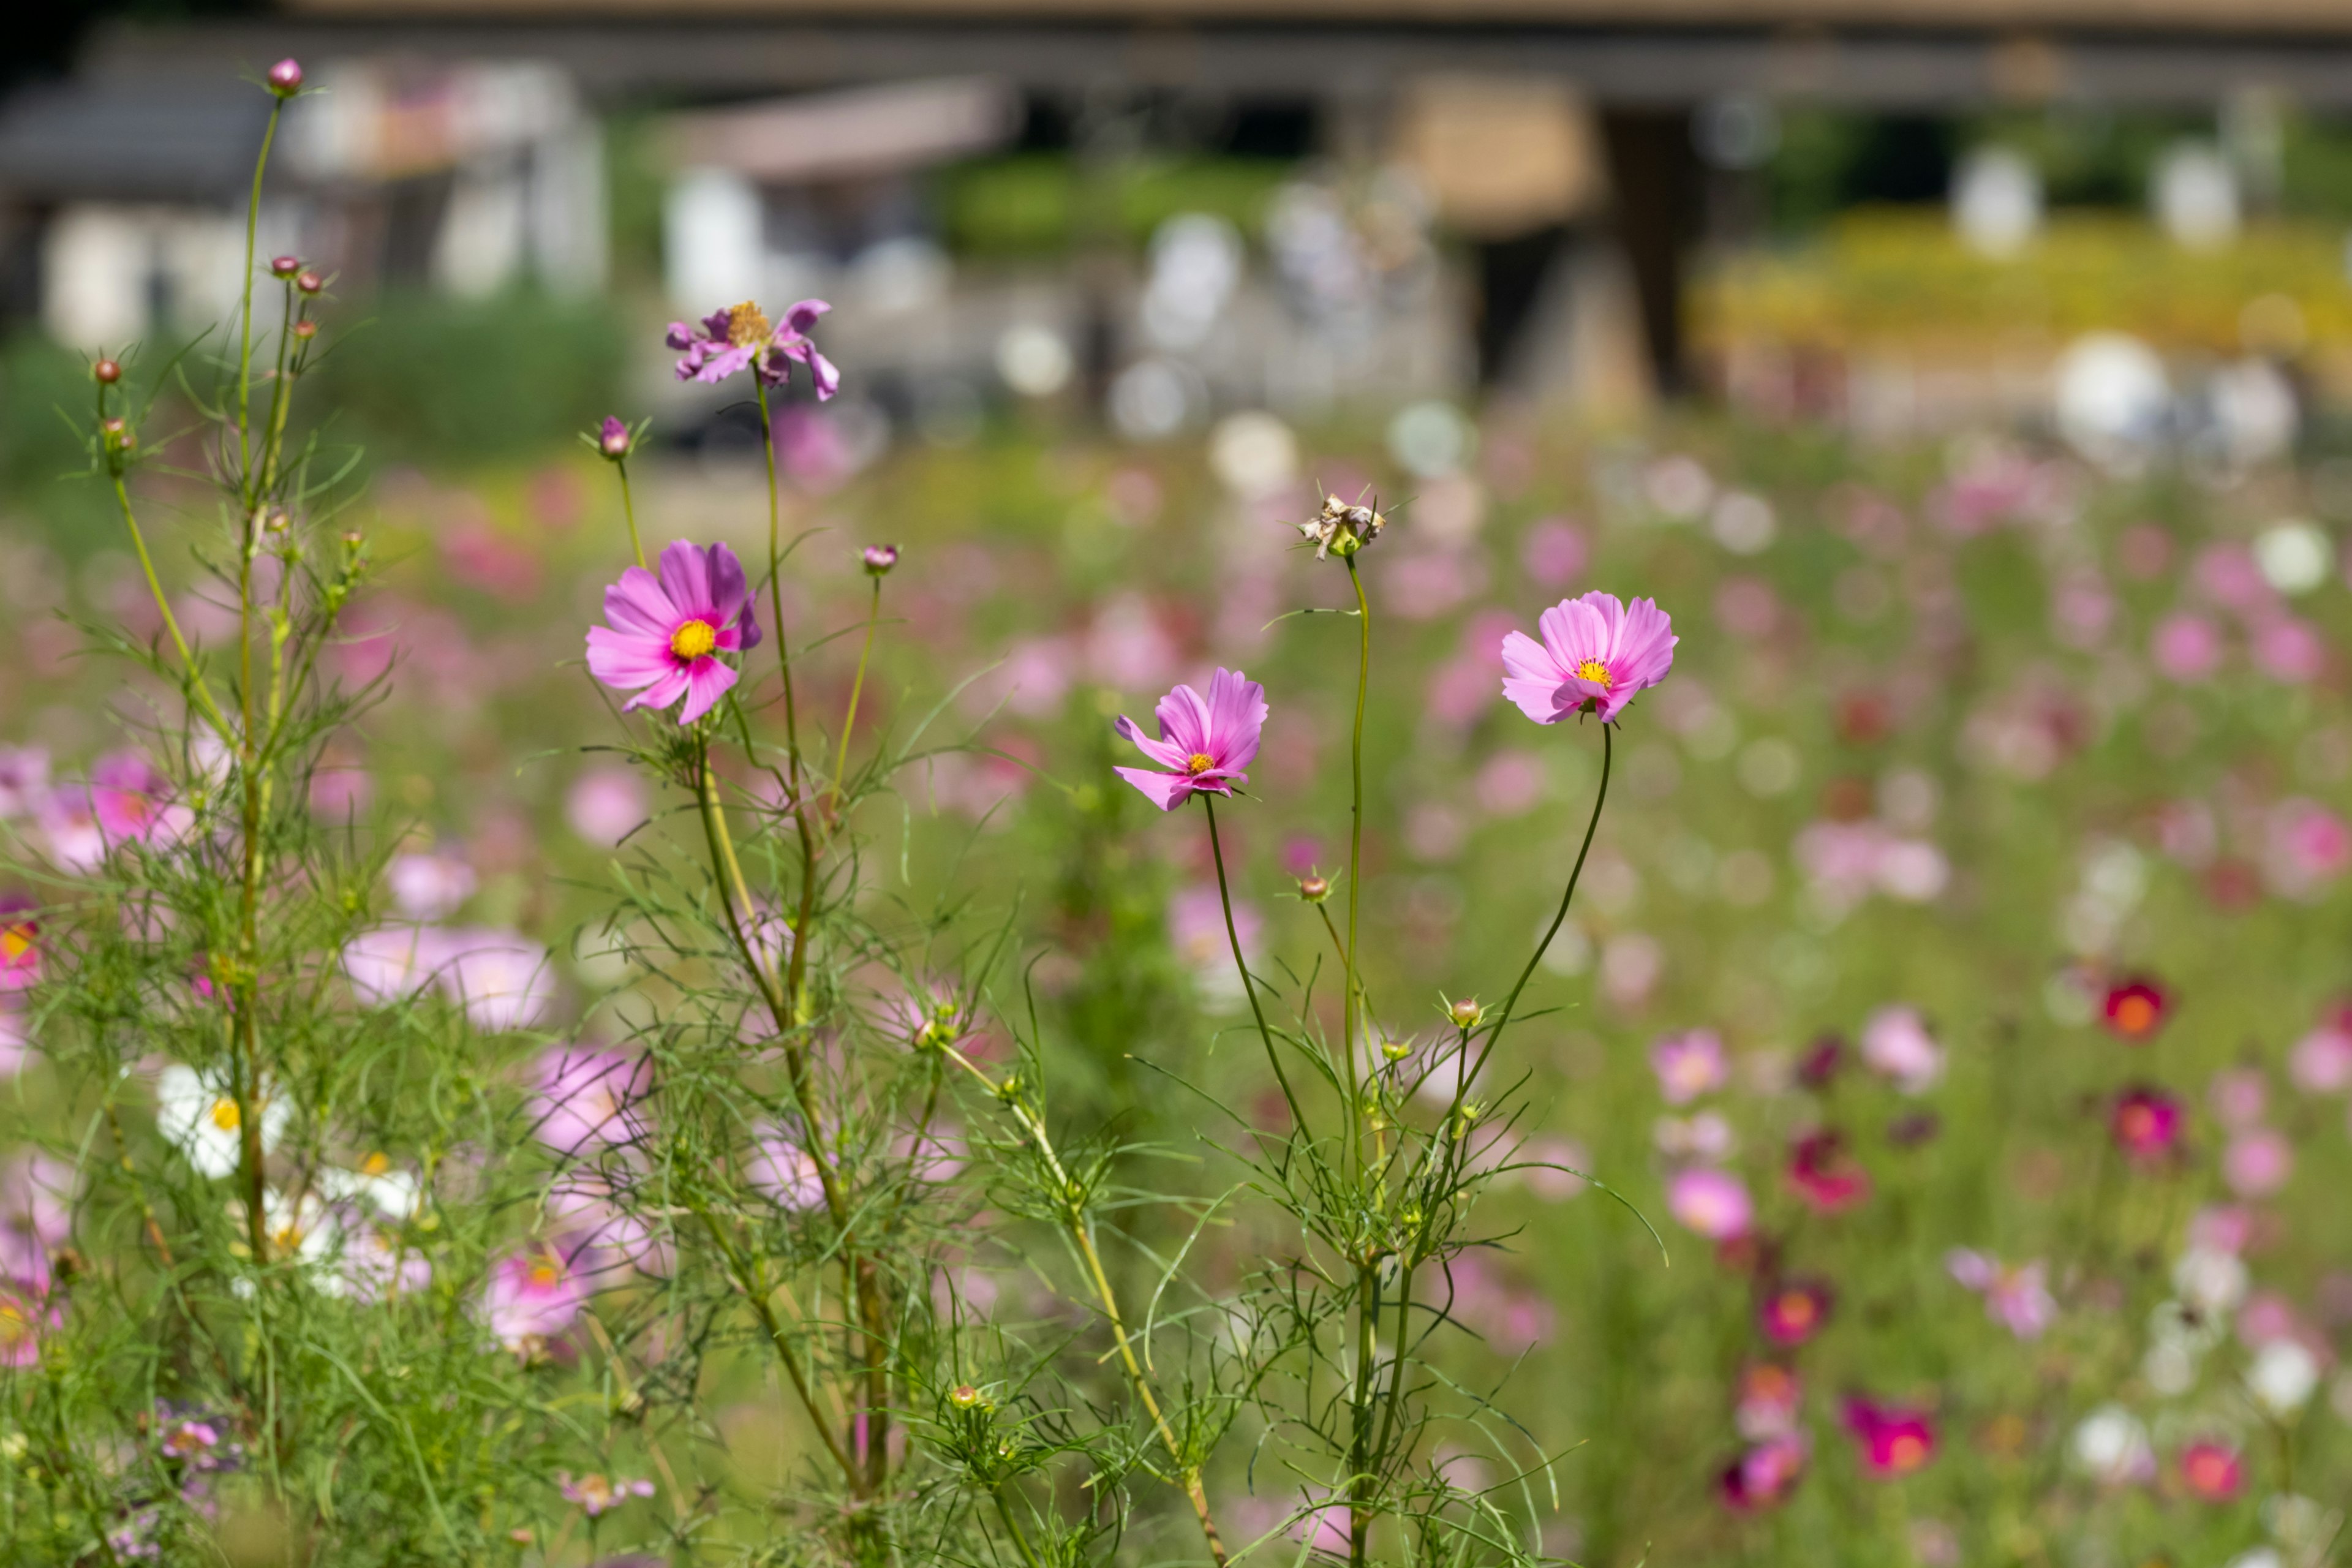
(532, 1297)
(1688, 1065)
(594, 1494)
(134, 801)
(741, 337)
(666, 633)
(588, 1100)
(1596, 653)
(1713, 1203)
(2018, 1299)
(1204, 742)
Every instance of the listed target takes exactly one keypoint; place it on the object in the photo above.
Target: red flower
(2136, 1009)
(2146, 1123)
(1794, 1311)
(1893, 1441)
(1824, 1174)
(2211, 1471)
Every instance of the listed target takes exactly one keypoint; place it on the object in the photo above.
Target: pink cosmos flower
(16, 1039)
(502, 978)
(2238, 1096)
(1596, 653)
(1824, 1174)
(1893, 1441)
(2257, 1162)
(785, 1172)
(741, 337)
(428, 886)
(1688, 1065)
(2308, 847)
(532, 1297)
(36, 1217)
(605, 804)
(2146, 1123)
(2322, 1060)
(1204, 742)
(1793, 1312)
(666, 633)
(2187, 648)
(22, 1319)
(1711, 1202)
(23, 780)
(2212, 1471)
(20, 944)
(1770, 1400)
(134, 801)
(595, 1495)
(1896, 1045)
(1764, 1475)
(2018, 1299)
(588, 1100)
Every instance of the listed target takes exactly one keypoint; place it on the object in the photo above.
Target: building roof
(138, 137)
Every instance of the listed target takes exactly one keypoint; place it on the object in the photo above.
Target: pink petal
(625, 661)
(801, 314)
(1166, 791)
(707, 681)
(1160, 751)
(637, 603)
(1237, 713)
(685, 576)
(668, 689)
(1184, 722)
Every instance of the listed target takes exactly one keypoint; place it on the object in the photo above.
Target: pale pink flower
(666, 633)
(2288, 650)
(588, 1099)
(532, 1296)
(428, 886)
(1896, 1044)
(1595, 655)
(1511, 783)
(393, 963)
(500, 978)
(1714, 1203)
(2238, 1096)
(16, 1039)
(1204, 742)
(605, 804)
(23, 780)
(2018, 1299)
(2226, 573)
(2257, 1163)
(2187, 648)
(134, 803)
(783, 1172)
(1554, 552)
(36, 1217)
(1689, 1064)
(2321, 1062)
(2308, 845)
(596, 1495)
(1771, 1399)
(1553, 1168)
(741, 338)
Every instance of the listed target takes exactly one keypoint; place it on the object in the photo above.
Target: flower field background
(1956, 996)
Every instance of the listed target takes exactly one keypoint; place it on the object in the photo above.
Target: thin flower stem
(776, 581)
(245, 312)
(1601, 798)
(798, 1374)
(1100, 1278)
(1005, 1512)
(1349, 1014)
(856, 688)
(1240, 966)
(629, 510)
(1359, 1454)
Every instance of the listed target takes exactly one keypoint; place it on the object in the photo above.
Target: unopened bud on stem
(879, 559)
(284, 266)
(1314, 889)
(107, 371)
(1466, 1014)
(286, 77)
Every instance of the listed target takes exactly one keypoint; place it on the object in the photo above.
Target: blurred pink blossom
(1127, 648)
(1705, 1138)
(2308, 845)
(428, 886)
(1771, 1400)
(2186, 647)
(604, 804)
(2238, 1096)
(1511, 783)
(1631, 965)
(1551, 1167)
(2288, 650)
(532, 1297)
(2257, 1163)
(1896, 1044)
(588, 1099)
(500, 977)
(2321, 1062)
(23, 780)
(1554, 552)
(2018, 1299)
(1713, 1203)
(1689, 1064)
(2226, 573)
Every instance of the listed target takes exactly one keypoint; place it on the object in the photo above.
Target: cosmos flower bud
(286, 77)
(1010, 1090)
(1314, 890)
(964, 1397)
(284, 266)
(879, 559)
(614, 439)
(107, 371)
(1466, 1014)
(309, 282)
(275, 521)
(306, 329)
(116, 436)
(1396, 1050)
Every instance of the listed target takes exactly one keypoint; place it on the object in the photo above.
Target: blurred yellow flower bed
(1883, 279)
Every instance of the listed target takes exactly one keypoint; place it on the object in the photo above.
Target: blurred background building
(2113, 214)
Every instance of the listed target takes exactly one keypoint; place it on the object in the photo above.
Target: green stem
(1347, 1008)
(629, 510)
(856, 688)
(1607, 754)
(1360, 1455)
(1241, 965)
(245, 312)
(755, 1293)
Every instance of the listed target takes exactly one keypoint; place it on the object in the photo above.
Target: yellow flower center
(225, 1114)
(746, 327)
(15, 941)
(374, 1165)
(1198, 763)
(2134, 1015)
(16, 1323)
(543, 1276)
(1592, 670)
(693, 640)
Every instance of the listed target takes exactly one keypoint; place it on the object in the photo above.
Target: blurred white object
(896, 277)
(1196, 264)
(1151, 400)
(854, 134)
(2254, 412)
(1997, 202)
(2283, 1378)
(2114, 402)
(712, 245)
(2296, 556)
(1431, 439)
(2195, 193)
(1743, 524)
(1033, 359)
(1253, 454)
(480, 245)
(2112, 1447)
(106, 268)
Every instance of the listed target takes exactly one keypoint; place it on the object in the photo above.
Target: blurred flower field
(1960, 985)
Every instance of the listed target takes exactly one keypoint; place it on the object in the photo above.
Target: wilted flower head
(666, 633)
(1688, 1065)
(2019, 1298)
(2146, 1123)
(2135, 1009)
(1896, 1044)
(594, 1494)
(1794, 1311)
(1893, 1440)
(1596, 653)
(1204, 742)
(741, 337)
(1337, 526)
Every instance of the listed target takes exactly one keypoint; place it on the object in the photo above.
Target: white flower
(2211, 1281)
(395, 1193)
(2112, 1447)
(2283, 1377)
(204, 1120)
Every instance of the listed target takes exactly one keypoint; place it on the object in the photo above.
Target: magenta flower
(2018, 1299)
(1893, 1441)
(2146, 1122)
(1203, 744)
(1596, 653)
(531, 1298)
(134, 801)
(1824, 1174)
(1689, 1065)
(666, 633)
(1793, 1312)
(1713, 1203)
(741, 337)
(23, 1316)
(1896, 1045)
(20, 944)
(1764, 1475)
